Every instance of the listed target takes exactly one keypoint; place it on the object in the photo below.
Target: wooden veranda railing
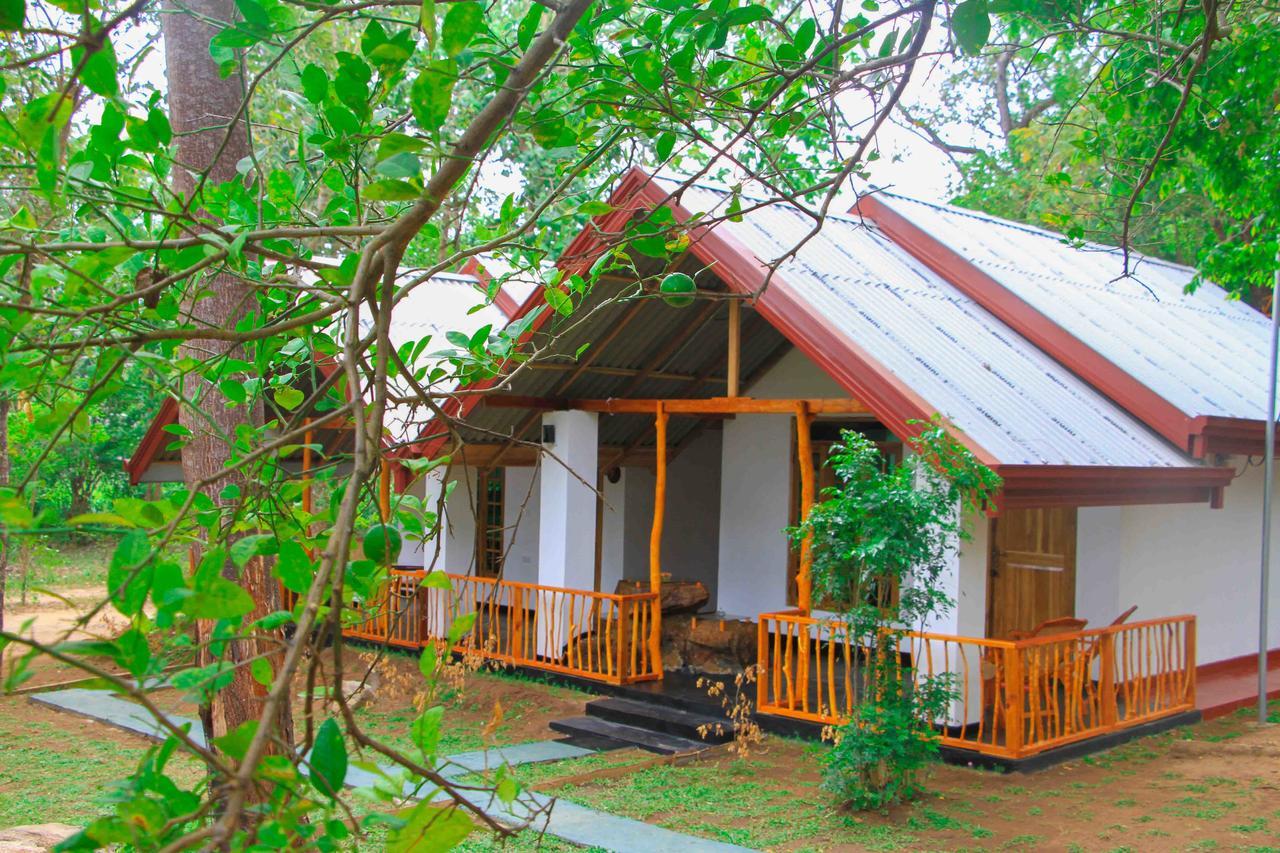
(1013, 698)
(595, 635)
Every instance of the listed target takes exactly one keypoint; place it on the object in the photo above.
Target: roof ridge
(1089, 245)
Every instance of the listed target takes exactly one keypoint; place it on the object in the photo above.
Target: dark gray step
(659, 742)
(662, 718)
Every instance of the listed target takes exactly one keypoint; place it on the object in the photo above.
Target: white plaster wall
(459, 553)
(613, 521)
(691, 521)
(755, 483)
(520, 489)
(1183, 558)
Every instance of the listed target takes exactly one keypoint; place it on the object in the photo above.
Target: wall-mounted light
(548, 434)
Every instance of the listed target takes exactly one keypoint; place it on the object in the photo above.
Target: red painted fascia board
(865, 378)
(1091, 366)
(1228, 436)
(505, 301)
(581, 252)
(1081, 485)
(153, 441)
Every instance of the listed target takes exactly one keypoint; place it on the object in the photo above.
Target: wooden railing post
(1189, 649)
(622, 643)
(1107, 678)
(762, 662)
(655, 539)
(1014, 711)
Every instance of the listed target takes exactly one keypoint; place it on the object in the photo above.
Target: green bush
(880, 542)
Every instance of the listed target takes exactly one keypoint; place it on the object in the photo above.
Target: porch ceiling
(638, 347)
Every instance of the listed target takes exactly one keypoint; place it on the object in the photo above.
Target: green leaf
(233, 390)
(398, 143)
(12, 14)
(402, 165)
(460, 627)
(646, 67)
(432, 95)
(127, 584)
(235, 743)
(426, 730)
(328, 762)
(289, 398)
(244, 550)
(427, 20)
(595, 208)
(558, 300)
(427, 662)
(218, 598)
(461, 23)
(98, 72)
(315, 83)
(429, 829)
(745, 15)
(437, 580)
(261, 671)
(293, 567)
(971, 24)
(389, 190)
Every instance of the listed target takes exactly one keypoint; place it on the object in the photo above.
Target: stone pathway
(568, 821)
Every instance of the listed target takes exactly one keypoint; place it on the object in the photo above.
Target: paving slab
(560, 818)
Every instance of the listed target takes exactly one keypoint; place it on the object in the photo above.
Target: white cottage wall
(755, 484)
(520, 504)
(1184, 558)
(691, 523)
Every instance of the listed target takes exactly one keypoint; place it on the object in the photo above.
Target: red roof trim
(891, 400)
(153, 441)
(505, 301)
(1100, 372)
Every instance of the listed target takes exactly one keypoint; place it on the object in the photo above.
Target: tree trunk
(202, 106)
(4, 481)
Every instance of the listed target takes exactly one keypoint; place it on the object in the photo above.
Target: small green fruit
(677, 290)
(382, 544)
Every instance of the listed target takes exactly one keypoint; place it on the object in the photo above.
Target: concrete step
(659, 742)
(703, 728)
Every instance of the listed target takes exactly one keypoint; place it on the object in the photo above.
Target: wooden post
(1013, 687)
(655, 538)
(735, 348)
(804, 450)
(384, 491)
(1189, 649)
(1106, 678)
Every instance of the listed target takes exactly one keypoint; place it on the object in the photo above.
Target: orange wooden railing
(1013, 698)
(594, 635)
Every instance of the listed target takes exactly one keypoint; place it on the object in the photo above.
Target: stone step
(659, 742)
(703, 728)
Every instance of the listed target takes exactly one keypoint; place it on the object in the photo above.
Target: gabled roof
(449, 302)
(907, 343)
(1192, 366)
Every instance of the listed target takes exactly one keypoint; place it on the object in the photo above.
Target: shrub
(880, 541)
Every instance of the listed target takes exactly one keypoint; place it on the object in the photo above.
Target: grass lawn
(1141, 796)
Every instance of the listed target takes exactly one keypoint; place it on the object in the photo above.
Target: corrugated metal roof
(1204, 353)
(989, 381)
(447, 302)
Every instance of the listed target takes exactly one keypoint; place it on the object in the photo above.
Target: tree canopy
(236, 230)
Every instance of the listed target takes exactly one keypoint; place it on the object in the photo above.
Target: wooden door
(1032, 569)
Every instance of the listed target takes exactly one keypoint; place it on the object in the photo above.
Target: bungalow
(656, 444)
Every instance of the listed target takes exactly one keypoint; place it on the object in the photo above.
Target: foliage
(84, 470)
(373, 145)
(881, 542)
(1161, 140)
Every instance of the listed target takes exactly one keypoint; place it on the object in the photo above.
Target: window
(490, 529)
(824, 435)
